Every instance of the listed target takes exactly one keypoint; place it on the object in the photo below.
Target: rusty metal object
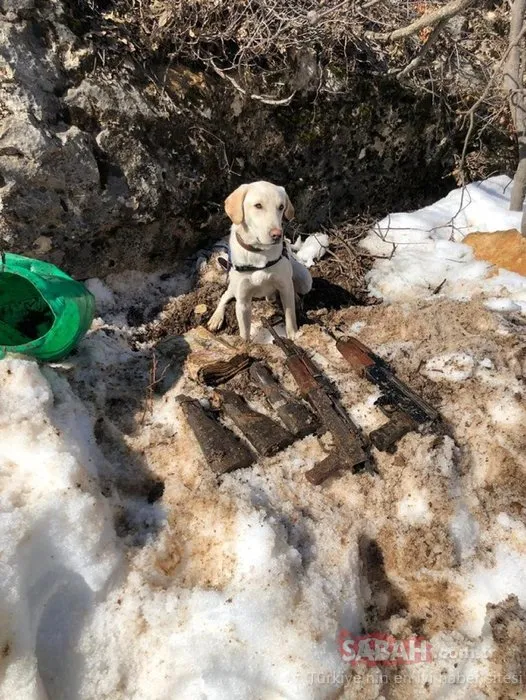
(264, 434)
(356, 353)
(221, 371)
(221, 448)
(349, 451)
(405, 408)
(387, 435)
(333, 463)
(294, 415)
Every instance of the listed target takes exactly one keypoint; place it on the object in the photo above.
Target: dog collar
(247, 246)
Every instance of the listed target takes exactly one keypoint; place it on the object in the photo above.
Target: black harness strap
(252, 268)
(228, 265)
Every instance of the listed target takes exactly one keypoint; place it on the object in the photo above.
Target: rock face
(106, 164)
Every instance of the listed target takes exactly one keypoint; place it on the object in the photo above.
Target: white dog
(261, 261)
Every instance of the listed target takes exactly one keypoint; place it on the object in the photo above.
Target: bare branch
(470, 114)
(261, 98)
(514, 86)
(512, 74)
(428, 20)
(417, 60)
(314, 17)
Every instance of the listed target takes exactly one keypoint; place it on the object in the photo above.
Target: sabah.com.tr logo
(379, 649)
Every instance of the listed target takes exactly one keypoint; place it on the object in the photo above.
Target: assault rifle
(405, 409)
(349, 450)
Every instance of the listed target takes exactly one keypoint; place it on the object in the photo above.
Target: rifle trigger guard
(385, 405)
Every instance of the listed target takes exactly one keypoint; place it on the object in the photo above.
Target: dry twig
(261, 98)
(427, 20)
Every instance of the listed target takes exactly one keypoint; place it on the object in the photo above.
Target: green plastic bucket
(43, 312)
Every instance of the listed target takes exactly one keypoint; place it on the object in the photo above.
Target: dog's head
(260, 208)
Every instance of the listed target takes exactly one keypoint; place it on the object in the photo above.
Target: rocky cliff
(109, 161)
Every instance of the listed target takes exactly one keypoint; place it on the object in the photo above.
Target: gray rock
(16, 6)
(105, 165)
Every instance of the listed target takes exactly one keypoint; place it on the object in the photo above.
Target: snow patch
(494, 584)
(504, 305)
(313, 248)
(425, 254)
(453, 367)
(104, 297)
(414, 509)
(57, 542)
(465, 531)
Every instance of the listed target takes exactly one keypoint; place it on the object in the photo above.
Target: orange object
(505, 249)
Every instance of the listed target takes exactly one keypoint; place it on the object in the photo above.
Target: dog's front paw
(292, 332)
(216, 321)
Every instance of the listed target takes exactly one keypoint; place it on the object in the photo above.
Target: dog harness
(228, 264)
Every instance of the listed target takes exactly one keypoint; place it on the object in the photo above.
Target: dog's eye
(258, 205)
(281, 207)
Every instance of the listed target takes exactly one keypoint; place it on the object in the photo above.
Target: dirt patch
(435, 604)
(505, 487)
(188, 311)
(508, 627)
(417, 548)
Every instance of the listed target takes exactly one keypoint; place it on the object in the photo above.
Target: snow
(59, 555)
(218, 644)
(104, 297)
(422, 253)
(503, 305)
(493, 584)
(453, 367)
(56, 535)
(414, 509)
(237, 587)
(465, 531)
(313, 248)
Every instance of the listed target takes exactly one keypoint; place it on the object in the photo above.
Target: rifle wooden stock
(303, 378)
(264, 434)
(221, 448)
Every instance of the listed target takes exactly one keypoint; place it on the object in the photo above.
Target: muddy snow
(129, 571)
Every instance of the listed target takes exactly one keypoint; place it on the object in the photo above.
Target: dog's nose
(275, 234)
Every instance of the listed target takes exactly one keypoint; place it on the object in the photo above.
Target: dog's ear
(289, 209)
(234, 204)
